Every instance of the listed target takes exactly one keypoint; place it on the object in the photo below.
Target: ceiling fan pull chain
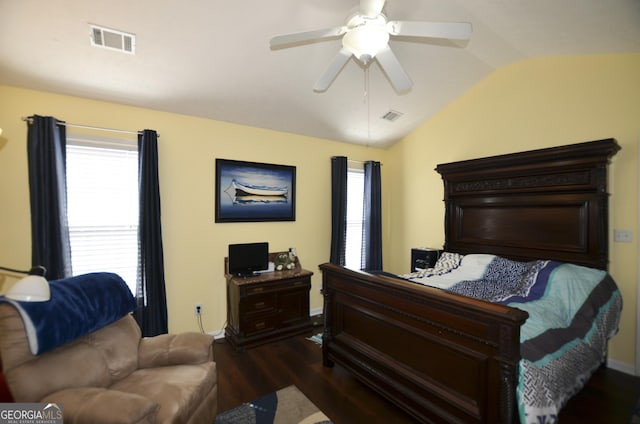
(368, 99)
(365, 93)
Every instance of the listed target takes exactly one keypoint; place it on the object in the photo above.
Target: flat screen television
(246, 259)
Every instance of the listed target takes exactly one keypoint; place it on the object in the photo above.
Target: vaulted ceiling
(211, 58)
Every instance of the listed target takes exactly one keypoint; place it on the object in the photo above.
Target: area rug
(286, 406)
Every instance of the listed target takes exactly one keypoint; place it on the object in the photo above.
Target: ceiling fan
(366, 37)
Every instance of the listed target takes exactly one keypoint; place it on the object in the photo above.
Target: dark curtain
(46, 156)
(372, 218)
(338, 209)
(151, 295)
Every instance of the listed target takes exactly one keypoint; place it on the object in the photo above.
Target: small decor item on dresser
(284, 261)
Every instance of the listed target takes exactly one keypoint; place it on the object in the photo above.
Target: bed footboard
(439, 356)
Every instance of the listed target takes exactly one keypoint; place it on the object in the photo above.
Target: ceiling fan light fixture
(366, 36)
(366, 39)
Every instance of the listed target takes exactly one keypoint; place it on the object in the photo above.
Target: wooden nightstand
(423, 257)
(267, 307)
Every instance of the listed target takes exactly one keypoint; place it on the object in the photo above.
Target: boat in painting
(239, 189)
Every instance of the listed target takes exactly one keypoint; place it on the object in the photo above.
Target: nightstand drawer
(276, 286)
(259, 303)
(259, 324)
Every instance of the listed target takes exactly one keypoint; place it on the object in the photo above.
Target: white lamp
(32, 288)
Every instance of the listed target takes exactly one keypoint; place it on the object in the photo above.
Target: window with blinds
(355, 205)
(102, 207)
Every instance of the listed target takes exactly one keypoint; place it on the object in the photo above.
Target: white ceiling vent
(112, 39)
(392, 115)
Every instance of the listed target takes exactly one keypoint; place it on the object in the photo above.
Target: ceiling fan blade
(391, 66)
(287, 40)
(332, 71)
(452, 30)
(371, 8)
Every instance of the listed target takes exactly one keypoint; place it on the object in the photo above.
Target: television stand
(268, 306)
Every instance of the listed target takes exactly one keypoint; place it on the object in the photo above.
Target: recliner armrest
(175, 349)
(98, 405)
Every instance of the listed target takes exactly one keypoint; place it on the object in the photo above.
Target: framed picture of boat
(254, 192)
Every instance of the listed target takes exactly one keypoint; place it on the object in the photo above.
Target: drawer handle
(257, 289)
(259, 304)
(260, 325)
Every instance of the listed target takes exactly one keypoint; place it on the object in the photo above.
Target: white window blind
(102, 207)
(355, 202)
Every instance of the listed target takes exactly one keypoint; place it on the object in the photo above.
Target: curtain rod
(89, 127)
(358, 161)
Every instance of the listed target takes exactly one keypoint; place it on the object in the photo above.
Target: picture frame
(254, 191)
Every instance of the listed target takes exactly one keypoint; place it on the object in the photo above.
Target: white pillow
(472, 267)
(477, 260)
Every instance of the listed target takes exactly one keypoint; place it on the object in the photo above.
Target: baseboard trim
(621, 366)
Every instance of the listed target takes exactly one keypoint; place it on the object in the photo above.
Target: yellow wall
(194, 246)
(532, 104)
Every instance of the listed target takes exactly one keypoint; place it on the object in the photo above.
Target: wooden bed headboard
(541, 204)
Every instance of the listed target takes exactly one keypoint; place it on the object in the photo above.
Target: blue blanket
(78, 306)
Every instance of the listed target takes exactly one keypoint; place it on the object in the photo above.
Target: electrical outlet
(197, 309)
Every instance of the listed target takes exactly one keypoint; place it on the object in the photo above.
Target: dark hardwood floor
(609, 397)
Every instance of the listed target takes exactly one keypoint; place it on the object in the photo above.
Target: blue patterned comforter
(573, 311)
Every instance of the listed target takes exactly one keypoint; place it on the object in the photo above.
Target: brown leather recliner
(113, 375)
